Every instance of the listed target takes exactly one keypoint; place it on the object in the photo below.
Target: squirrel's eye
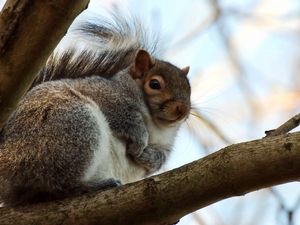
(154, 84)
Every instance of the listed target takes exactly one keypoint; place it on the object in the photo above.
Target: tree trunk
(29, 31)
(163, 199)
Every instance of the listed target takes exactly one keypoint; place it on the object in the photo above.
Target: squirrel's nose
(181, 110)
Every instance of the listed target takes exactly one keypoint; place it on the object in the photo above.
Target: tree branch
(286, 127)
(163, 199)
(29, 31)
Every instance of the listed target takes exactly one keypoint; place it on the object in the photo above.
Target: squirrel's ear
(185, 70)
(143, 63)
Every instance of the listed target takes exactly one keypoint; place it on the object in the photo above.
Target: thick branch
(163, 199)
(29, 31)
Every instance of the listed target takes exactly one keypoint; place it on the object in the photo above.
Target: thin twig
(198, 219)
(200, 28)
(285, 128)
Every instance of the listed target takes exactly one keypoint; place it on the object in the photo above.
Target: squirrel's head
(166, 88)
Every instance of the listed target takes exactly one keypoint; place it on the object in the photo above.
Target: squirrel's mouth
(165, 122)
(170, 112)
(168, 121)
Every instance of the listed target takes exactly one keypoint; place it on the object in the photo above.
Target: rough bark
(29, 31)
(163, 199)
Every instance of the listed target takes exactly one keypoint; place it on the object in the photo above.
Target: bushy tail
(117, 42)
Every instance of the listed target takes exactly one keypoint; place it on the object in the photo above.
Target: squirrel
(91, 123)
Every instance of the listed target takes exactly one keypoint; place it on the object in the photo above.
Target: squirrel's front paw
(151, 158)
(135, 149)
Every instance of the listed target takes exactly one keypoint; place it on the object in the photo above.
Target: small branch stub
(285, 128)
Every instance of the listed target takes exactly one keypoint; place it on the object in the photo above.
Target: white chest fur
(162, 136)
(110, 159)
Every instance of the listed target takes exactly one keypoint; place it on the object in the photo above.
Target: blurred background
(245, 75)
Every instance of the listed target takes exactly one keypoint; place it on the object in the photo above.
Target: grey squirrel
(88, 124)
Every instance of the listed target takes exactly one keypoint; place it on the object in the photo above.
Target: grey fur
(47, 143)
(120, 38)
